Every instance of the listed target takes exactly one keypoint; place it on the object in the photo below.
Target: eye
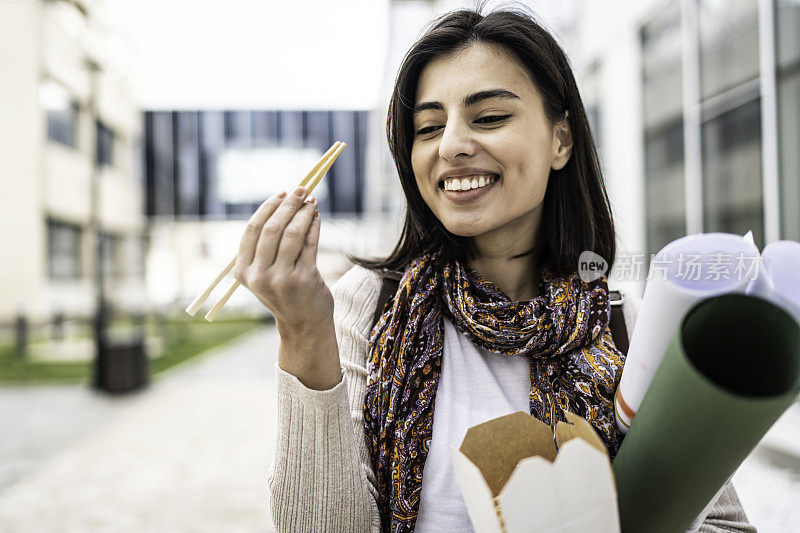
(429, 129)
(491, 119)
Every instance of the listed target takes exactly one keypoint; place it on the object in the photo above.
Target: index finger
(247, 246)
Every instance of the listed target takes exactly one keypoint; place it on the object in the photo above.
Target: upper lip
(459, 172)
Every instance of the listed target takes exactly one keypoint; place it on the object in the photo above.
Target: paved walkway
(190, 453)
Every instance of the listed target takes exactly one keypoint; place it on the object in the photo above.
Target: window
(105, 145)
(137, 246)
(732, 196)
(63, 250)
(728, 44)
(111, 255)
(664, 190)
(661, 65)
(663, 118)
(787, 20)
(62, 113)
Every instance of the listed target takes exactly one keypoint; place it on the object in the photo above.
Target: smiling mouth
(467, 183)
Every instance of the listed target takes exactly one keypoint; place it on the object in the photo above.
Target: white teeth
(465, 184)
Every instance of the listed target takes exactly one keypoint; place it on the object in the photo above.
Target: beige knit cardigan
(321, 479)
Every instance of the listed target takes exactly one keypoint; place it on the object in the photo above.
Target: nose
(456, 140)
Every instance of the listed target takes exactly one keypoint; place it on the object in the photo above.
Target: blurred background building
(695, 105)
(68, 160)
(137, 136)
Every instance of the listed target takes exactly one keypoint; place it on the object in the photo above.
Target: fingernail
(299, 191)
(282, 194)
(312, 200)
(316, 214)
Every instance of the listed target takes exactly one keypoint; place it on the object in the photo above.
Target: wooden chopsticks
(309, 182)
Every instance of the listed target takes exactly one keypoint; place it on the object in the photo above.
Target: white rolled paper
(682, 273)
(781, 282)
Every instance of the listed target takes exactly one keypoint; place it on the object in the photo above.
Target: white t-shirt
(475, 386)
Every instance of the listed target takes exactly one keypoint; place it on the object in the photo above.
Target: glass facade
(724, 112)
(184, 151)
(663, 120)
(788, 73)
(732, 195)
(728, 44)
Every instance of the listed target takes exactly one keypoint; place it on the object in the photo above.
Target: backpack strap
(619, 332)
(391, 281)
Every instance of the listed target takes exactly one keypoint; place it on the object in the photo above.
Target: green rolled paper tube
(731, 370)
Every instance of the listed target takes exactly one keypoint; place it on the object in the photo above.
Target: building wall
(20, 155)
(45, 50)
(684, 92)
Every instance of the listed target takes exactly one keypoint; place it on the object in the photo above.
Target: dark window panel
(664, 186)
(63, 250)
(662, 100)
(789, 147)
(728, 44)
(188, 159)
(62, 125)
(361, 120)
(111, 262)
(788, 41)
(163, 163)
(150, 163)
(213, 144)
(345, 177)
(237, 128)
(265, 128)
(788, 33)
(182, 150)
(732, 188)
(331, 202)
(291, 128)
(105, 145)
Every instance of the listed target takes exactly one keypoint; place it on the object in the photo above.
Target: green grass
(184, 339)
(191, 338)
(15, 369)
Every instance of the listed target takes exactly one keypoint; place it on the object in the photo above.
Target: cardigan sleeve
(727, 514)
(321, 478)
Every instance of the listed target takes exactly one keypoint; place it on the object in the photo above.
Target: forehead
(476, 67)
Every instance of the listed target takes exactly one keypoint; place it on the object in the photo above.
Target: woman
(504, 192)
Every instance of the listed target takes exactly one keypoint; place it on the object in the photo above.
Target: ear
(562, 143)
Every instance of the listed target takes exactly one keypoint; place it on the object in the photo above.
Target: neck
(519, 278)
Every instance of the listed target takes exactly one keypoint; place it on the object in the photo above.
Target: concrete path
(190, 453)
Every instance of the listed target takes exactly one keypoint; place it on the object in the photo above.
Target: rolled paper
(682, 273)
(731, 370)
(782, 261)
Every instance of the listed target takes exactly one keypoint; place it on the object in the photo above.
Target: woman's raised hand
(277, 261)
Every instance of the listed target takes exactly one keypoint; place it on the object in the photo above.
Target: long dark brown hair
(576, 213)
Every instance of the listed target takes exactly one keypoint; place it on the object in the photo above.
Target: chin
(465, 229)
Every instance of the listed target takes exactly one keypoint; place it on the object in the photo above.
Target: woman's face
(479, 118)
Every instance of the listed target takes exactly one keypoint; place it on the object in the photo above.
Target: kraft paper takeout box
(514, 480)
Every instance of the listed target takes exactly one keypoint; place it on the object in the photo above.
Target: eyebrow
(470, 100)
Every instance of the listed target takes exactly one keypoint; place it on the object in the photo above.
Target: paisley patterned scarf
(564, 331)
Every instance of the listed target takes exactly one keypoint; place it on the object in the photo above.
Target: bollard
(58, 326)
(21, 334)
